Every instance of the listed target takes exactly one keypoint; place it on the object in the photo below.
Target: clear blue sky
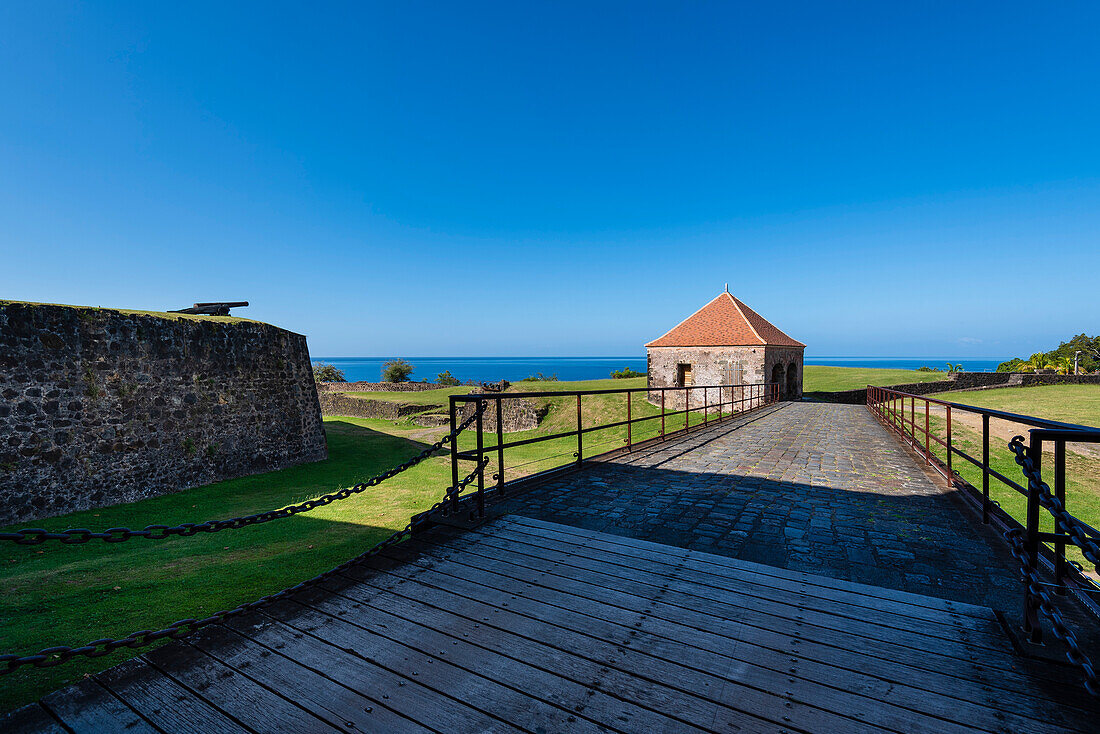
(878, 179)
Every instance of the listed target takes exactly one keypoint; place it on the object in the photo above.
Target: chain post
(500, 446)
(454, 450)
(1031, 548)
(480, 458)
(1060, 493)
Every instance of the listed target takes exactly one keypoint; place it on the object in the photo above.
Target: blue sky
(878, 179)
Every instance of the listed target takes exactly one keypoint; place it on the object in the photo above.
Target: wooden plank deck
(524, 625)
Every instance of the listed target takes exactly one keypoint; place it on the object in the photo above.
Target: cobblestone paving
(812, 487)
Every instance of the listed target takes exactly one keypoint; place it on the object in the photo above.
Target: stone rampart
(102, 406)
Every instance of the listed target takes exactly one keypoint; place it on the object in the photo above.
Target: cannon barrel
(217, 308)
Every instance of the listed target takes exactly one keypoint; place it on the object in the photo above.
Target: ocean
(513, 369)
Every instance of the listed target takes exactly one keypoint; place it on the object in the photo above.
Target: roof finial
(727, 287)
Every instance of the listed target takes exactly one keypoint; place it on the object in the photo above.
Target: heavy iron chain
(52, 656)
(1045, 605)
(1067, 522)
(1035, 588)
(73, 536)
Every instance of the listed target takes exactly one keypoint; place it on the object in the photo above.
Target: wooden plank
(484, 692)
(794, 611)
(405, 696)
(750, 569)
(161, 699)
(229, 691)
(89, 707)
(592, 660)
(642, 677)
(544, 675)
(30, 719)
(785, 591)
(702, 650)
(321, 696)
(717, 618)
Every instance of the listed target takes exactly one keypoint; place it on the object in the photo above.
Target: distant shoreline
(592, 368)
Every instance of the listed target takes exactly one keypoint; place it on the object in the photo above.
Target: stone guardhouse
(723, 343)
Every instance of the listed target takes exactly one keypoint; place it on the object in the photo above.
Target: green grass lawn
(819, 378)
(1070, 403)
(67, 595)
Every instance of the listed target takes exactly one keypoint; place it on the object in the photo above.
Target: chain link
(1069, 524)
(52, 656)
(1045, 604)
(1035, 587)
(74, 536)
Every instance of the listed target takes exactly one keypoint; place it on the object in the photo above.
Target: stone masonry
(102, 407)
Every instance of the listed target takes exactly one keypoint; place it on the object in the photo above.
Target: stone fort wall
(101, 407)
(963, 381)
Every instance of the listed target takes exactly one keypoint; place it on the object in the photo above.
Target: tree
(626, 373)
(1064, 365)
(1036, 362)
(446, 378)
(396, 370)
(323, 372)
(954, 367)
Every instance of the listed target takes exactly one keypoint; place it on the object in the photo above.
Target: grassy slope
(60, 594)
(833, 379)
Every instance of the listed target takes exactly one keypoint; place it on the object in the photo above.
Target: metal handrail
(752, 396)
(898, 411)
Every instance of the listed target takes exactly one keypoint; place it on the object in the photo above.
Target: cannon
(212, 309)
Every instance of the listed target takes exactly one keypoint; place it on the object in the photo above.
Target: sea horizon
(513, 369)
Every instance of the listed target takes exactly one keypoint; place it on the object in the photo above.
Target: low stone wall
(337, 404)
(377, 386)
(1030, 380)
(517, 414)
(102, 407)
(962, 381)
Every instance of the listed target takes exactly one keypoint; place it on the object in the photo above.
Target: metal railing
(1033, 547)
(725, 400)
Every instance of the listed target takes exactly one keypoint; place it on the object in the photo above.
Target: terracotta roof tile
(725, 322)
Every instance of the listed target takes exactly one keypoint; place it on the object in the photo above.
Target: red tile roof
(725, 322)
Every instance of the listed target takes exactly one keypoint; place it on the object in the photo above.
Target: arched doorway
(792, 381)
(777, 378)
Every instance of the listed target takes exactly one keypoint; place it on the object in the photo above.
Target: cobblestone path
(812, 487)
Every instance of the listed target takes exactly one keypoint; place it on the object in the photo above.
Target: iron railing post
(480, 458)
(500, 446)
(927, 425)
(705, 391)
(950, 447)
(628, 436)
(985, 468)
(454, 451)
(663, 414)
(687, 409)
(580, 436)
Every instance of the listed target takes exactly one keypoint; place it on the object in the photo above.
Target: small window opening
(683, 375)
